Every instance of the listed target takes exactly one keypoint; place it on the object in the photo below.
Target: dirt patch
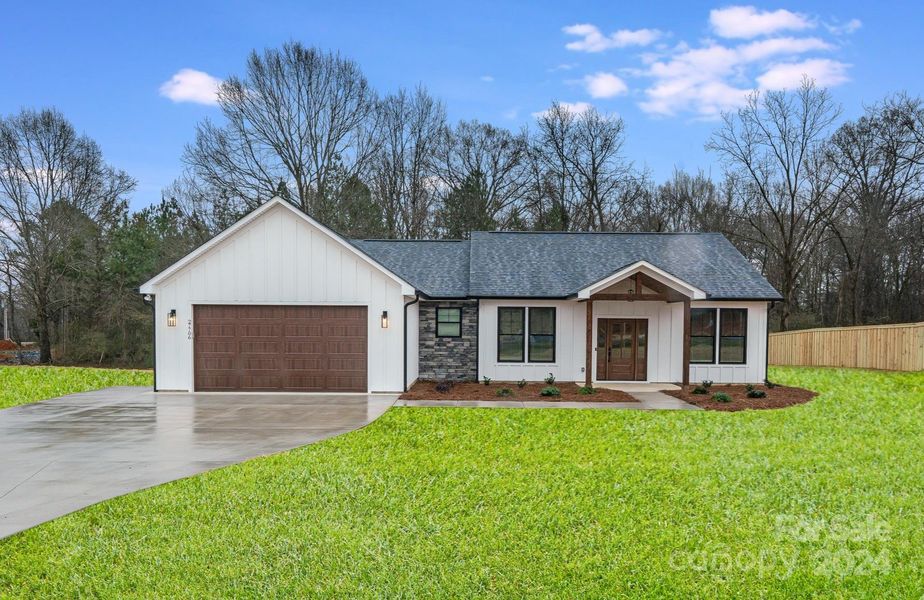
(778, 396)
(426, 390)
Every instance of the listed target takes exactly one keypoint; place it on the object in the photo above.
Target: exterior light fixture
(384, 319)
(171, 318)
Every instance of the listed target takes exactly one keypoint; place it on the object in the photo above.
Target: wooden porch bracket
(588, 358)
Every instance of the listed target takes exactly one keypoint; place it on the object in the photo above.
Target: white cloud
(748, 22)
(713, 78)
(605, 85)
(190, 85)
(847, 28)
(487, 78)
(593, 40)
(511, 113)
(825, 73)
(575, 108)
(563, 67)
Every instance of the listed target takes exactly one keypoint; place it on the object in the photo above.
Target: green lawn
(822, 499)
(22, 385)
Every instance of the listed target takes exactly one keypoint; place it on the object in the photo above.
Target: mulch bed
(779, 396)
(426, 390)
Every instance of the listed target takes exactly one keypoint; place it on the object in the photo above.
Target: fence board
(886, 347)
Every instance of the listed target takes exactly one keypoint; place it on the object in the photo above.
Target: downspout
(406, 304)
(149, 300)
(767, 346)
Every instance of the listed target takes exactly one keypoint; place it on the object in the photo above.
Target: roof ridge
(609, 232)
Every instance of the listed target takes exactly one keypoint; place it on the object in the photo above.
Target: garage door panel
(293, 348)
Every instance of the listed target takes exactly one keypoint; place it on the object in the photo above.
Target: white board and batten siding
(665, 350)
(755, 369)
(280, 259)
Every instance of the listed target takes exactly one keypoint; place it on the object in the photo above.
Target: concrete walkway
(644, 401)
(64, 454)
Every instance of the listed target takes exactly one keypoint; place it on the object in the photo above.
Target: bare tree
(492, 156)
(403, 167)
(880, 162)
(774, 147)
(298, 119)
(577, 162)
(49, 174)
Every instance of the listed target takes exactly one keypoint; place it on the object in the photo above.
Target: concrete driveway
(64, 454)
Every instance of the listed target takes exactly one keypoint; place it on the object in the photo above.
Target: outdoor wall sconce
(171, 318)
(384, 319)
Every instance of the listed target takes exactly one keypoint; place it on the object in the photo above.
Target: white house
(278, 302)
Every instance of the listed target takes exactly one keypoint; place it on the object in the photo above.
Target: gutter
(149, 300)
(767, 344)
(406, 304)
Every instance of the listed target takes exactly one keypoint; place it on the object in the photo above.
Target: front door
(622, 349)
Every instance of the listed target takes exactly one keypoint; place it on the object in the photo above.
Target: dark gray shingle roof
(437, 268)
(553, 265)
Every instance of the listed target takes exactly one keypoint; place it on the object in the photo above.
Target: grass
(821, 499)
(22, 385)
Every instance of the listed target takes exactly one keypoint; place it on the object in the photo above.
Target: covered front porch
(638, 328)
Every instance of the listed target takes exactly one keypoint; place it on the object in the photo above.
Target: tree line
(830, 210)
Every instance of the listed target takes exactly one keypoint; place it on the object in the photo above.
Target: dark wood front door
(280, 348)
(622, 349)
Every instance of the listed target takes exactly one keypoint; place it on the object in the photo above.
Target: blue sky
(667, 68)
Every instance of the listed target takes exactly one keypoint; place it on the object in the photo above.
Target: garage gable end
(276, 205)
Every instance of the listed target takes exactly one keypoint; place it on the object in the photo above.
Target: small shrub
(770, 385)
(444, 386)
(521, 384)
(550, 379)
(550, 391)
(700, 390)
(505, 392)
(707, 383)
(752, 393)
(586, 390)
(749, 387)
(486, 380)
(721, 397)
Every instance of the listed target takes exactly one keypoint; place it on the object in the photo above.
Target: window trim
(522, 311)
(714, 336)
(553, 335)
(441, 308)
(744, 339)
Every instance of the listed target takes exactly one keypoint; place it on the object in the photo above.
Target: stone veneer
(445, 357)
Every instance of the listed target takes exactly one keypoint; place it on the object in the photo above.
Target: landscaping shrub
(521, 384)
(505, 392)
(700, 390)
(550, 379)
(443, 386)
(749, 387)
(550, 391)
(721, 397)
(486, 380)
(707, 383)
(752, 393)
(586, 390)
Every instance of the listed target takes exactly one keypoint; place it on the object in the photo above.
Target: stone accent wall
(445, 357)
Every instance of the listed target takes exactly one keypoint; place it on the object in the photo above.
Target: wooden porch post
(686, 340)
(588, 358)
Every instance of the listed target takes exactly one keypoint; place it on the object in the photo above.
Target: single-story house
(280, 302)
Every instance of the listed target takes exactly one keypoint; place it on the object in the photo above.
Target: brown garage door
(280, 348)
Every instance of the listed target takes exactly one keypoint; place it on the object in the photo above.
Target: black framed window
(511, 333)
(702, 335)
(733, 336)
(542, 334)
(448, 322)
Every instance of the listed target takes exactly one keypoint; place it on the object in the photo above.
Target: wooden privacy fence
(887, 347)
